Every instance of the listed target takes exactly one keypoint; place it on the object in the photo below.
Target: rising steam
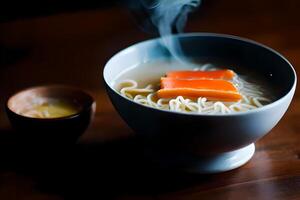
(170, 16)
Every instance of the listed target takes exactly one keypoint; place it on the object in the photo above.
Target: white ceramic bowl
(198, 142)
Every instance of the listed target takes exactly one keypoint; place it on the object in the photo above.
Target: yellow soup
(51, 109)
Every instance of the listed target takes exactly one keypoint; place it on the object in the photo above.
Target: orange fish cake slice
(193, 88)
(216, 74)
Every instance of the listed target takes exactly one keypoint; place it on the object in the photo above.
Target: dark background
(17, 9)
(69, 42)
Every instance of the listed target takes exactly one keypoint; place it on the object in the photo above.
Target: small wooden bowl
(62, 130)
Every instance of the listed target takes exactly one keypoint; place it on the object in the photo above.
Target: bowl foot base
(206, 164)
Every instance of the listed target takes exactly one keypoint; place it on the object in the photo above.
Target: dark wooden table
(72, 48)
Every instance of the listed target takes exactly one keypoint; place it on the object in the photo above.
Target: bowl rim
(60, 86)
(206, 34)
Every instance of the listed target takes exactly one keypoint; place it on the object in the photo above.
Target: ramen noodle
(251, 95)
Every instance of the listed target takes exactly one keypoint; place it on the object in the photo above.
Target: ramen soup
(191, 88)
(49, 108)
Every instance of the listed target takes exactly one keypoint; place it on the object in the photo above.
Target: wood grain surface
(107, 163)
